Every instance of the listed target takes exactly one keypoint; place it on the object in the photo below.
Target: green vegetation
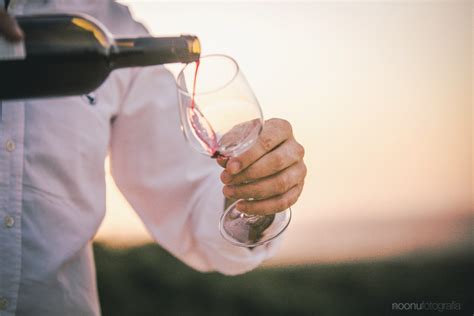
(149, 281)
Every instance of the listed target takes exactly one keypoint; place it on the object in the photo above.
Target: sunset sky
(379, 93)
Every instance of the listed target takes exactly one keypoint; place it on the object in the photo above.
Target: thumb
(9, 28)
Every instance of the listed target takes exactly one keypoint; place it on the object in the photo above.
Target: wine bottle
(73, 54)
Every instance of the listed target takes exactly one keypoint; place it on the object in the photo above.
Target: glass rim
(181, 73)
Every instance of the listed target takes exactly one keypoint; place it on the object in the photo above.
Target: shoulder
(117, 17)
(120, 20)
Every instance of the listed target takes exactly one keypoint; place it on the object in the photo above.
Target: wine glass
(221, 117)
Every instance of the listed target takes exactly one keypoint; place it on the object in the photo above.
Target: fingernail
(228, 191)
(225, 177)
(222, 159)
(234, 166)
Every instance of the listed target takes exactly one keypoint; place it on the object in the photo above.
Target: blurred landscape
(147, 280)
(379, 93)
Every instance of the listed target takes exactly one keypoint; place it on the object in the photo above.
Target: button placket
(11, 171)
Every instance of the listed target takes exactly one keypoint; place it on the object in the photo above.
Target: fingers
(273, 205)
(269, 187)
(9, 27)
(222, 161)
(275, 132)
(273, 162)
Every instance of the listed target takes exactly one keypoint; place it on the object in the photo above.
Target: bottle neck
(148, 51)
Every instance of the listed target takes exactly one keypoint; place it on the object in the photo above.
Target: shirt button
(10, 145)
(8, 221)
(3, 303)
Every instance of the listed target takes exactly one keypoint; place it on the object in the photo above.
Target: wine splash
(201, 125)
(232, 139)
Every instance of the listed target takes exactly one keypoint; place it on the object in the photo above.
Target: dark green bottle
(74, 54)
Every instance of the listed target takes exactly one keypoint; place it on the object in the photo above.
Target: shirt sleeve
(175, 191)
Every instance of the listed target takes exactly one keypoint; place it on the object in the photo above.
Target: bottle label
(11, 51)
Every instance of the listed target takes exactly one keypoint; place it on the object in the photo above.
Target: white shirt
(52, 187)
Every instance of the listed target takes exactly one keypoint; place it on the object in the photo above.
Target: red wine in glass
(239, 136)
